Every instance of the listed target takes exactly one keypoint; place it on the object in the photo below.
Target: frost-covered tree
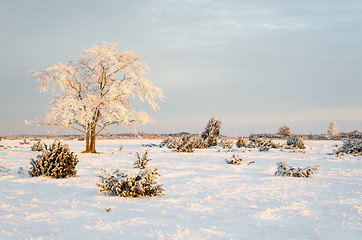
(284, 131)
(332, 131)
(95, 92)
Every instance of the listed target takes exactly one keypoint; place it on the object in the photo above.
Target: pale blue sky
(255, 64)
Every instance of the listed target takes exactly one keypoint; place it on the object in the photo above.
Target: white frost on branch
(96, 90)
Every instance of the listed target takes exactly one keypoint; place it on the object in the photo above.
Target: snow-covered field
(205, 198)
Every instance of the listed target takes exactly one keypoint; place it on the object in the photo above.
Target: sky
(256, 65)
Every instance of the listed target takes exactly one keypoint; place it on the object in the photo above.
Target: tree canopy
(96, 91)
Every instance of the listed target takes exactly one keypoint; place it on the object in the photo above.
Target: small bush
(264, 148)
(130, 185)
(141, 162)
(241, 142)
(226, 144)
(57, 162)
(237, 160)
(183, 144)
(350, 146)
(295, 141)
(38, 146)
(284, 170)
(261, 143)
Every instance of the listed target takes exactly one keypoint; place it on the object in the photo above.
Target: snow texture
(204, 197)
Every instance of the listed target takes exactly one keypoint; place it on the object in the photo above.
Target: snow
(205, 198)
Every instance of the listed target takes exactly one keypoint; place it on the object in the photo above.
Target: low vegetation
(57, 161)
(284, 170)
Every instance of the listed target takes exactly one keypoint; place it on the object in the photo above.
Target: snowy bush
(261, 143)
(237, 160)
(183, 144)
(284, 170)
(264, 148)
(141, 162)
(139, 184)
(241, 142)
(295, 141)
(167, 142)
(226, 144)
(350, 146)
(38, 146)
(57, 162)
(149, 145)
(211, 132)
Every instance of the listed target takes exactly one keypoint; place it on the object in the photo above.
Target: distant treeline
(142, 135)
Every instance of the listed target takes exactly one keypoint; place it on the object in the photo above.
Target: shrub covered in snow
(351, 146)
(261, 143)
(57, 162)
(183, 144)
(237, 160)
(264, 148)
(211, 132)
(226, 144)
(187, 143)
(284, 170)
(295, 141)
(38, 146)
(241, 142)
(139, 184)
(141, 162)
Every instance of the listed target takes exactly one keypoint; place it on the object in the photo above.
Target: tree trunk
(93, 140)
(87, 142)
